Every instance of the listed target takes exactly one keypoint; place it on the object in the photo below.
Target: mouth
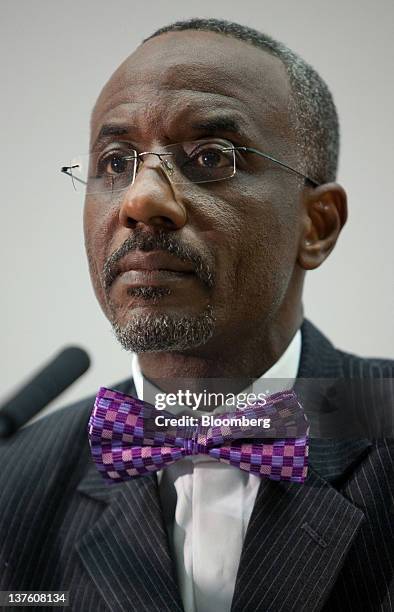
(152, 269)
(153, 278)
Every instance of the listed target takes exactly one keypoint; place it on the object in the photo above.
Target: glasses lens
(200, 162)
(102, 173)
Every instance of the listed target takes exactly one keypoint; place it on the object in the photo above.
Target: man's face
(179, 266)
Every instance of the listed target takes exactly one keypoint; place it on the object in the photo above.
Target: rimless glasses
(198, 161)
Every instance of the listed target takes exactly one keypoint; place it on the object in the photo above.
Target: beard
(154, 332)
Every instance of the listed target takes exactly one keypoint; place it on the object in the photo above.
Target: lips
(153, 260)
(151, 268)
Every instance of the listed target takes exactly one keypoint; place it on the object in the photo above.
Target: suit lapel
(126, 551)
(298, 535)
(297, 538)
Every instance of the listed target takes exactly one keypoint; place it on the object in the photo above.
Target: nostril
(158, 221)
(131, 223)
(162, 220)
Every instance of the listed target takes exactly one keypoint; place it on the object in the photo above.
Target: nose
(151, 199)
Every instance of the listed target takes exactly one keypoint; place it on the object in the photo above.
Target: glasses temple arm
(251, 150)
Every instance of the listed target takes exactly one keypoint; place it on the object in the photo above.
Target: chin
(153, 329)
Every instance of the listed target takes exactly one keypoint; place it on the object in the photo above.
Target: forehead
(196, 73)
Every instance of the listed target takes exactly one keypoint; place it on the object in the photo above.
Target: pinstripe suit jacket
(326, 545)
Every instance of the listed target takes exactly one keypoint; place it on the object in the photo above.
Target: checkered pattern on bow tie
(125, 441)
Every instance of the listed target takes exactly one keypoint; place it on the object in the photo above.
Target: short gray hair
(317, 125)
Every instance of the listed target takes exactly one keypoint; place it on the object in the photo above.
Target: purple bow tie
(125, 440)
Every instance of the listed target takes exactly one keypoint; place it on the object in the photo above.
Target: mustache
(159, 241)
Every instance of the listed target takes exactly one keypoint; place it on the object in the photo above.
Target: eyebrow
(110, 130)
(217, 124)
(212, 125)
(113, 130)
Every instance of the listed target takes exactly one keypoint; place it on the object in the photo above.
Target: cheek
(215, 221)
(224, 236)
(271, 218)
(265, 247)
(96, 231)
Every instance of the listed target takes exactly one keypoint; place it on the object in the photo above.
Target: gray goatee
(160, 331)
(164, 332)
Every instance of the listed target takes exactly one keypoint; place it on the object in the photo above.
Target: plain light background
(55, 57)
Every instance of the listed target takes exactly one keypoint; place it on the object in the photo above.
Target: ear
(324, 213)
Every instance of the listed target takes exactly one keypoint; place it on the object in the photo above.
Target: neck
(224, 357)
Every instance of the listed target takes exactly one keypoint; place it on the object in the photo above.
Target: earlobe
(324, 215)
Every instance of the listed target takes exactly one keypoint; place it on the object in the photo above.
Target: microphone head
(68, 365)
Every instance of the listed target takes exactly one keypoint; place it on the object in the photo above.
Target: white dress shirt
(207, 507)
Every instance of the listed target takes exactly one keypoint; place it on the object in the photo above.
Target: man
(210, 192)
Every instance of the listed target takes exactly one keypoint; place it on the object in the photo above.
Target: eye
(211, 156)
(205, 161)
(116, 163)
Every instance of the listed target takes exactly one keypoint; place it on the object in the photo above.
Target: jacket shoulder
(355, 366)
(40, 452)
(53, 451)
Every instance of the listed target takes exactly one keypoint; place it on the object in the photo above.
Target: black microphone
(50, 382)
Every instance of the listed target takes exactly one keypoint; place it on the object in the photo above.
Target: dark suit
(326, 545)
